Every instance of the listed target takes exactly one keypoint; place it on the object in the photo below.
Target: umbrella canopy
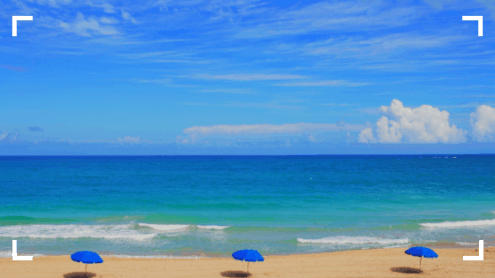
(86, 257)
(248, 255)
(420, 251)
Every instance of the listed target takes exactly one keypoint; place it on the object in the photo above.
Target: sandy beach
(361, 263)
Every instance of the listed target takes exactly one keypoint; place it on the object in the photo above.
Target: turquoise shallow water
(185, 206)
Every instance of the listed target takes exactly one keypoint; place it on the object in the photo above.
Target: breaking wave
(341, 240)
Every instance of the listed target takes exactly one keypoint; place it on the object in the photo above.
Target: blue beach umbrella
(248, 255)
(86, 257)
(420, 251)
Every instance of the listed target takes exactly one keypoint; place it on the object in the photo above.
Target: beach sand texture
(359, 263)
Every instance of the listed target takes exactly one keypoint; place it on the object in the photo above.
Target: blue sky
(246, 77)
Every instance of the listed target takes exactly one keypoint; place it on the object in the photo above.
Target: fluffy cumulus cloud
(424, 124)
(483, 122)
(366, 136)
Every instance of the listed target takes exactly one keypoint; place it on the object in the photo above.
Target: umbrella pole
(248, 269)
(86, 268)
(420, 258)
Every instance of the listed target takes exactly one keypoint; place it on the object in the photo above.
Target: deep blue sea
(189, 206)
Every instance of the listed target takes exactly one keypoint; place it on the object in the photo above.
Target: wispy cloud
(360, 46)
(172, 56)
(129, 139)
(476, 96)
(198, 103)
(180, 61)
(336, 104)
(489, 5)
(108, 20)
(52, 3)
(327, 83)
(464, 105)
(268, 128)
(160, 81)
(88, 27)
(127, 16)
(331, 16)
(247, 77)
(35, 129)
(228, 91)
(268, 105)
(12, 68)
(107, 7)
(10, 137)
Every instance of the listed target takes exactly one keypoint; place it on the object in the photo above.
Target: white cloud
(326, 83)
(424, 124)
(343, 15)
(180, 140)
(129, 139)
(438, 3)
(490, 6)
(108, 20)
(3, 136)
(127, 16)
(228, 91)
(461, 5)
(312, 139)
(249, 77)
(267, 128)
(10, 137)
(107, 7)
(335, 104)
(483, 122)
(88, 27)
(366, 136)
(388, 131)
(52, 3)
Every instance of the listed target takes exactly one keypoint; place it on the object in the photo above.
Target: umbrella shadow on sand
(406, 270)
(235, 273)
(80, 275)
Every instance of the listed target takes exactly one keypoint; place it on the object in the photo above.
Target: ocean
(196, 206)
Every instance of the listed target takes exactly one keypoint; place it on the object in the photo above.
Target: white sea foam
(74, 231)
(396, 246)
(354, 240)
(5, 254)
(9, 254)
(212, 227)
(459, 224)
(467, 243)
(165, 227)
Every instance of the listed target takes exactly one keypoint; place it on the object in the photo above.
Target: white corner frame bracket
(14, 253)
(17, 18)
(480, 22)
(476, 258)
